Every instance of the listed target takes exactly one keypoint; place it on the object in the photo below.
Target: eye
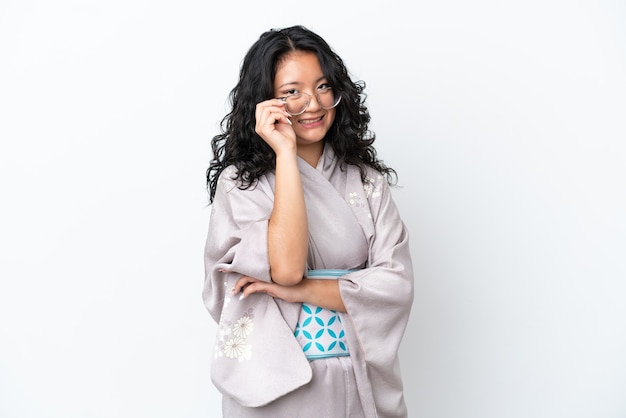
(290, 92)
(324, 87)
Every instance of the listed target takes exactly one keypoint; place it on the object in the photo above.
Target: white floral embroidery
(372, 186)
(243, 327)
(355, 199)
(235, 347)
(232, 337)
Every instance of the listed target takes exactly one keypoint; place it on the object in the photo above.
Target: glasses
(296, 104)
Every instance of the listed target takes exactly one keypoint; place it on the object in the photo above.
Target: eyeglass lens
(298, 103)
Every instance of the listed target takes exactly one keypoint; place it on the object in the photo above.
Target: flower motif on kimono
(232, 337)
(372, 186)
(243, 327)
(355, 200)
(235, 347)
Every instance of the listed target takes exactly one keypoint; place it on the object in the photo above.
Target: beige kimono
(257, 363)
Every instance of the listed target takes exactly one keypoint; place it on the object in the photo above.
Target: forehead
(298, 66)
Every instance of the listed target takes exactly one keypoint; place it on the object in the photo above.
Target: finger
(255, 287)
(248, 290)
(270, 111)
(241, 283)
(264, 124)
(273, 116)
(271, 103)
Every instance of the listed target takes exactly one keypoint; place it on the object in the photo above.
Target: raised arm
(288, 230)
(287, 239)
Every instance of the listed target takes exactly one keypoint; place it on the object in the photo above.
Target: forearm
(288, 229)
(323, 293)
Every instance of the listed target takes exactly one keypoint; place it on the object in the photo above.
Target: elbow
(286, 277)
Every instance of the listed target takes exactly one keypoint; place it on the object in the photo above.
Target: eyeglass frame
(317, 97)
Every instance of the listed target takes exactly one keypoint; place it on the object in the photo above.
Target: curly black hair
(241, 146)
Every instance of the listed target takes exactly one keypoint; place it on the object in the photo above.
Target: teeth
(308, 121)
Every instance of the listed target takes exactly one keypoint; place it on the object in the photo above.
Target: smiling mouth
(310, 121)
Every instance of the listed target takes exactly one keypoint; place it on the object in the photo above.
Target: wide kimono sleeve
(256, 357)
(378, 300)
(237, 237)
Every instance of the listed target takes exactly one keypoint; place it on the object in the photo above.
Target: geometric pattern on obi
(320, 331)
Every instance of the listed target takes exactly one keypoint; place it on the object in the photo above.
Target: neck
(311, 153)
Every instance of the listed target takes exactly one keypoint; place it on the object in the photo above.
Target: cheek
(330, 117)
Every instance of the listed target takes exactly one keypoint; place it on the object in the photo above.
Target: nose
(314, 103)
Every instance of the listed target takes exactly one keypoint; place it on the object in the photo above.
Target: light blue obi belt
(320, 331)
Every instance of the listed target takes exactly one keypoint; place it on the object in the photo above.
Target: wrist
(286, 156)
(303, 290)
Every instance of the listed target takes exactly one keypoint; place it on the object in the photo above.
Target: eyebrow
(299, 83)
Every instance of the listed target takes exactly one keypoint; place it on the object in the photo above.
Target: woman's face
(300, 72)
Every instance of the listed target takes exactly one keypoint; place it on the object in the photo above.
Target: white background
(505, 121)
